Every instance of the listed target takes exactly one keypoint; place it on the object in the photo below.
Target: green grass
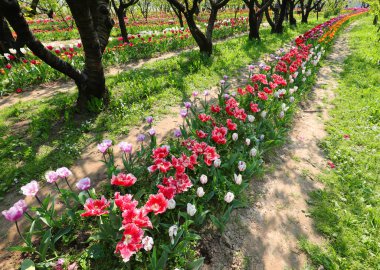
(347, 211)
(52, 135)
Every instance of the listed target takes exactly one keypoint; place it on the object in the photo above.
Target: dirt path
(266, 235)
(50, 89)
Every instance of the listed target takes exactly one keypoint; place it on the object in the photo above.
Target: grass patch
(347, 212)
(53, 136)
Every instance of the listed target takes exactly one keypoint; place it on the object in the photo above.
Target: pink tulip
(51, 176)
(63, 172)
(30, 189)
(13, 214)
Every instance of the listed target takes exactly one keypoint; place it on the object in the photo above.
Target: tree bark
(123, 27)
(6, 39)
(91, 21)
(292, 20)
(33, 7)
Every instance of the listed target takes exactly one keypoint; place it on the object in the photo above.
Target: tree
(292, 5)
(307, 7)
(145, 6)
(279, 10)
(178, 13)
(94, 24)
(120, 12)
(255, 16)
(7, 40)
(189, 10)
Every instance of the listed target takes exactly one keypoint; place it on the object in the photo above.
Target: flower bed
(20, 72)
(149, 212)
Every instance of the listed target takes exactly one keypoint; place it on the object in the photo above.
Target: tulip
(147, 243)
(191, 209)
(242, 166)
(238, 179)
(229, 197)
(200, 192)
(171, 204)
(173, 232)
(203, 179)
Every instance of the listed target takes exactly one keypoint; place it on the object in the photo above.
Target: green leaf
(162, 261)
(28, 264)
(21, 249)
(61, 233)
(195, 265)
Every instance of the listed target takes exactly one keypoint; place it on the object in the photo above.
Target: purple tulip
(149, 119)
(140, 137)
(84, 184)
(183, 113)
(30, 189)
(195, 93)
(177, 133)
(206, 93)
(187, 105)
(222, 82)
(152, 132)
(107, 142)
(225, 77)
(13, 214)
(22, 205)
(125, 147)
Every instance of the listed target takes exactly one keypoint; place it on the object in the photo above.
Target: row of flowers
(19, 72)
(48, 29)
(153, 206)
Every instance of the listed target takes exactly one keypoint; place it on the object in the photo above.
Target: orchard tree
(191, 8)
(292, 5)
(120, 10)
(255, 16)
(307, 7)
(178, 13)
(94, 24)
(279, 11)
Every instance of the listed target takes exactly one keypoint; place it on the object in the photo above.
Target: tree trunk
(254, 24)
(33, 7)
(6, 39)
(180, 20)
(205, 47)
(123, 28)
(304, 17)
(292, 20)
(91, 21)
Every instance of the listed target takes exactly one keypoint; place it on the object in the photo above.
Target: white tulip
(171, 204)
(253, 152)
(13, 51)
(191, 209)
(217, 163)
(238, 179)
(229, 197)
(147, 241)
(242, 166)
(173, 232)
(200, 192)
(203, 179)
(251, 118)
(247, 142)
(235, 136)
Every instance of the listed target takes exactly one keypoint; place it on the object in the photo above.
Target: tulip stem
(57, 187)
(18, 230)
(38, 200)
(67, 182)
(26, 213)
(88, 192)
